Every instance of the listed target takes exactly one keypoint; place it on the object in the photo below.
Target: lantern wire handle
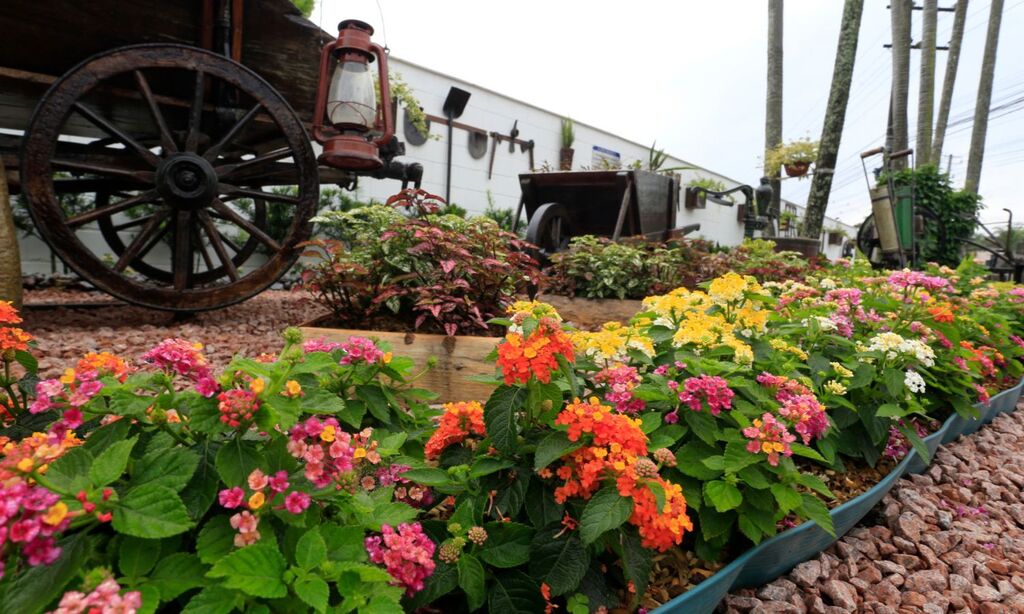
(383, 28)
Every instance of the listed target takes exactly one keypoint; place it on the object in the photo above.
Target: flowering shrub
(216, 490)
(438, 273)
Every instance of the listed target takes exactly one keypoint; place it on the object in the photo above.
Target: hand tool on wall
(524, 146)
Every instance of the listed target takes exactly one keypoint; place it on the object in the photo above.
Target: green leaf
(27, 360)
(703, 426)
(172, 468)
(213, 600)
(919, 446)
(750, 528)
(313, 590)
(106, 436)
(70, 473)
(814, 483)
(235, 461)
(151, 512)
(715, 524)
(605, 511)
(443, 581)
(344, 543)
(390, 513)
(541, 507)
(513, 592)
(353, 413)
(737, 457)
(507, 545)
(890, 410)
(124, 402)
(553, 447)
(375, 401)
(511, 493)
(806, 452)
(893, 379)
(216, 539)
(723, 495)
(500, 413)
(863, 375)
(754, 477)
(636, 560)
(715, 463)
(817, 511)
(176, 574)
(428, 476)
(558, 561)
(256, 570)
(787, 498)
(201, 490)
(488, 465)
(689, 457)
(471, 580)
(311, 550)
(137, 556)
(110, 464)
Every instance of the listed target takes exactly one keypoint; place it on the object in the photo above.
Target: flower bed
(322, 477)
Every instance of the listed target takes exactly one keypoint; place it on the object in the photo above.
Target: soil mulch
(948, 540)
(65, 333)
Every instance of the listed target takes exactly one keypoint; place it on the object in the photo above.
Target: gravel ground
(948, 540)
(64, 334)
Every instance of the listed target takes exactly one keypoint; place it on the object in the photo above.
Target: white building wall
(471, 187)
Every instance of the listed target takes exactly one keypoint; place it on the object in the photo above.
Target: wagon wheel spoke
(215, 150)
(197, 238)
(245, 224)
(218, 246)
(182, 265)
(103, 124)
(132, 223)
(109, 210)
(227, 170)
(166, 140)
(195, 116)
(144, 241)
(236, 192)
(100, 169)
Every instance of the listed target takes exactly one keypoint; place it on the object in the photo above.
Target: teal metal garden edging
(779, 554)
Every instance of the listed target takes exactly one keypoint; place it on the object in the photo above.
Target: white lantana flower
(914, 381)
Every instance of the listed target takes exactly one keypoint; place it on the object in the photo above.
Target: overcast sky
(691, 75)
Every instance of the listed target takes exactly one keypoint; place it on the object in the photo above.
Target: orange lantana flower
(459, 421)
(13, 339)
(537, 355)
(942, 313)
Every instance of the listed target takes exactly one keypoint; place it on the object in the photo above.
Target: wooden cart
(164, 132)
(613, 204)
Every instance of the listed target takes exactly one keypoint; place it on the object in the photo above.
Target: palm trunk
(952, 61)
(900, 15)
(981, 107)
(926, 93)
(835, 117)
(10, 256)
(773, 104)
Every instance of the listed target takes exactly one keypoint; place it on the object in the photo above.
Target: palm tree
(981, 107)
(10, 256)
(773, 104)
(900, 17)
(952, 61)
(926, 93)
(835, 117)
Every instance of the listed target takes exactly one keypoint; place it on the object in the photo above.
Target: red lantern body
(347, 102)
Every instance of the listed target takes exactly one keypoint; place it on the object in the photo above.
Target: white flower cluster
(825, 324)
(894, 345)
(914, 381)
(828, 283)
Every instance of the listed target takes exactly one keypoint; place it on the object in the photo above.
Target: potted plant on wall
(786, 220)
(566, 153)
(795, 156)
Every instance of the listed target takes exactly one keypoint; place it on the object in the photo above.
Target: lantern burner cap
(356, 23)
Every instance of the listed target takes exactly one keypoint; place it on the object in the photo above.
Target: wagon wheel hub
(186, 181)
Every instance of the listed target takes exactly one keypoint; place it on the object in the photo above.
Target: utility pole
(900, 12)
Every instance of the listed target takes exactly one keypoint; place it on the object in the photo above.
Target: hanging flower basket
(797, 168)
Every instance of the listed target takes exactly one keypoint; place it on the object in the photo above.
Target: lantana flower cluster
(330, 454)
(611, 344)
(769, 436)
(459, 421)
(12, 338)
(264, 492)
(180, 357)
(619, 382)
(798, 405)
(104, 599)
(535, 355)
(406, 553)
(617, 450)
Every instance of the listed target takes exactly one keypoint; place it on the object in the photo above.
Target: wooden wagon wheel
(224, 135)
(549, 229)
